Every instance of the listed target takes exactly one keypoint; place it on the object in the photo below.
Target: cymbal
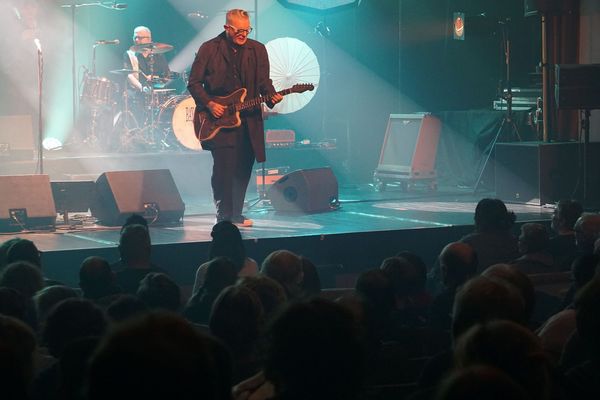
(123, 71)
(156, 48)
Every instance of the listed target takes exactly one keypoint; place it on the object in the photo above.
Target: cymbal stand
(508, 121)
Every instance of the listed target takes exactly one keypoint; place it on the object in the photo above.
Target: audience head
(4, 251)
(96, 279)
(13, 303)
(597, 247)
(237, 319)
(220, 273)
(135, 245)
(311, 283)
(565, 215)
(483, 299)
(24, 250)
(377, 288)
(49, 297)
(69, 320)
(134, 219)
(587, 304)
(403, 275)
(286, 268)
(155, 356)
(512, 275)
(125, 307)
(480, 382)
(17, 347)
(511, 348)
(270, 293)
(158, 290)
(587, 230)
(491, 215)
(458, 263)
(420, 266)
(227, 242)
(314, 351)
(22, 276)
(533, 238)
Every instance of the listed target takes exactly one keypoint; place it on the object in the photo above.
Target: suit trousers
(232, 169)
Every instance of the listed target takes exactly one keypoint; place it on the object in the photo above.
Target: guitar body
(206, 126)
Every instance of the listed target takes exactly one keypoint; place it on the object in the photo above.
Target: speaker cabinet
(409, 148)
(543, 173)
(151, 193)
(577, 86)
(26, 202)
(305, 191)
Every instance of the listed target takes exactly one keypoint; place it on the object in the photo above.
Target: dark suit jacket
(207, 78)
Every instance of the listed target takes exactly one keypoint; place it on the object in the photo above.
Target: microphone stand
(40, 152)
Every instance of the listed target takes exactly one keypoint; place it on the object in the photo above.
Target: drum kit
(112, 121)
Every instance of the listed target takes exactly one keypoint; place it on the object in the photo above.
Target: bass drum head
(183, 123)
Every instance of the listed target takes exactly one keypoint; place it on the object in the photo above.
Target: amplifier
(272, 175)
(273, 136)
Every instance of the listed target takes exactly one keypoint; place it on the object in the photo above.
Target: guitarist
(222, 65)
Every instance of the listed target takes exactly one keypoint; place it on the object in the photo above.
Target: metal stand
(40, 149)
(508, 121)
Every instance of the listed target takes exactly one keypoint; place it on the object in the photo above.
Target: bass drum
(178, 112)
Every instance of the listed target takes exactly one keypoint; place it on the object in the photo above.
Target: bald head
(458, 262)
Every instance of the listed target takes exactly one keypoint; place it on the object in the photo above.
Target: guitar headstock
(302, 87)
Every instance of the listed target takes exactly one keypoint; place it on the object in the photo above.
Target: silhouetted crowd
(498, 316)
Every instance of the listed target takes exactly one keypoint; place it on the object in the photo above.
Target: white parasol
(292, 62)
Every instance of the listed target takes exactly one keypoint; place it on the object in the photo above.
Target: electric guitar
(206, 126)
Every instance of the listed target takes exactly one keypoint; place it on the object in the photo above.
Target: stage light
(52, 143)
(320, 5)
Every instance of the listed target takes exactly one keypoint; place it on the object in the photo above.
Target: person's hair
(134, 243)
(314, 351)
(13, 303)
(587, 304)
(420, 266)
(236, 13)
(480, 382)
(403, 275)
(270, 293)
(517, 278)
(377, 288)
(491, 215)
(458, 262)
(156, 356)
(141, 28)
(220, 273)
(23, 277)
(96, 279)
(227, 242)
(583, 269)
(158, 290)
(534, 237)
(134, 219)
(69, 320)
(49, 297)
(483, 299)
(24, 250)
(511, 348)
(286, 268)
(4, 251)
(568, 211)
(237, 319)
(17, 347)
(125, 307)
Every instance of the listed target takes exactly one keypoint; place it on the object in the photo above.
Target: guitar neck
(259, 100)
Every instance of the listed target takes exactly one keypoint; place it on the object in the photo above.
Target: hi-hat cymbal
(156, 48)
(123, 71)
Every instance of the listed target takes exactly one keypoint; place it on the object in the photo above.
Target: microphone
(197, 14)
(38, 45)
(115, 41)
(118, 6)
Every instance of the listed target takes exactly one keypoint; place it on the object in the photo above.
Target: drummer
(152, 66)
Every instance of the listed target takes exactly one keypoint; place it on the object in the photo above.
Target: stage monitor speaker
(410, 146)
(151, 193)
(26, 202)
(305, 191)
(544, 173)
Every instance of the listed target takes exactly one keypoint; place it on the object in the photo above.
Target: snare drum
(178, 113)
(97, 91)
(158, 97)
